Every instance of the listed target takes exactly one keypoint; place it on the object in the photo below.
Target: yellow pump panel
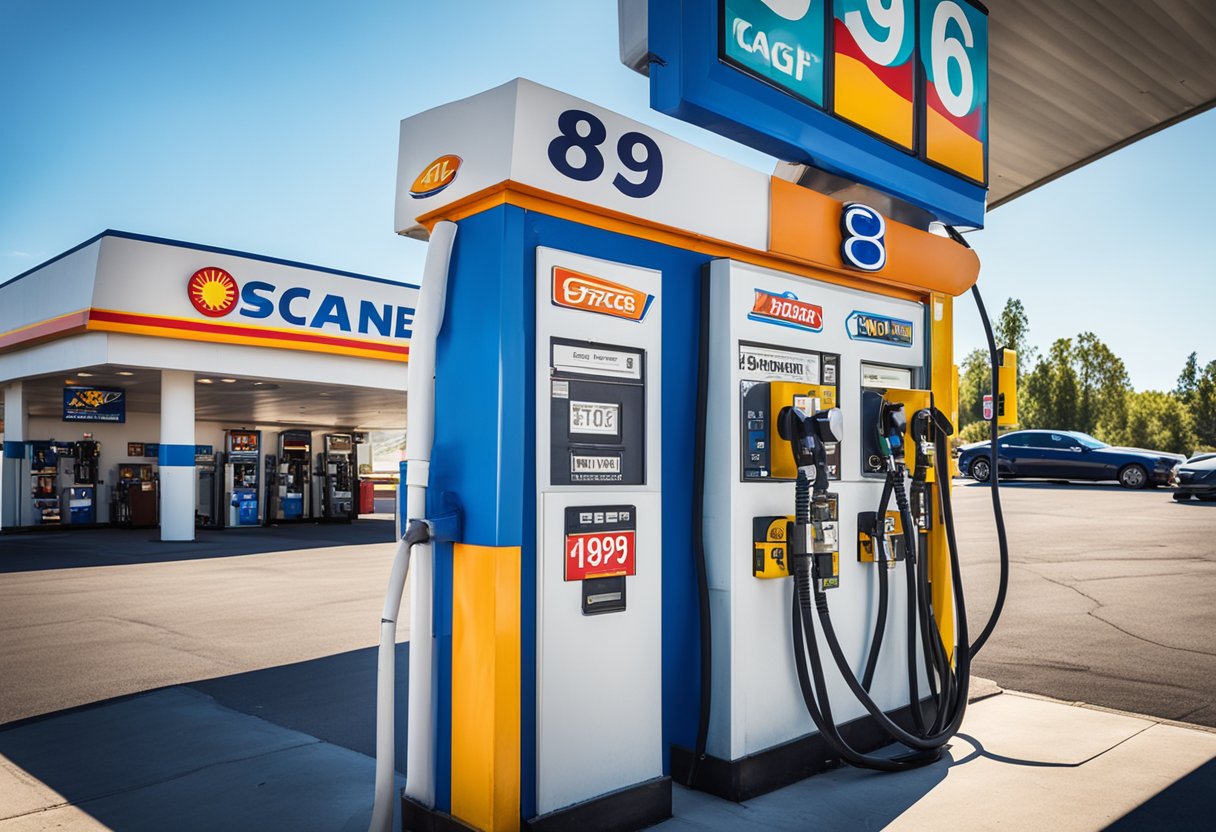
(1007, 376)
(912, 400)
(782, 395)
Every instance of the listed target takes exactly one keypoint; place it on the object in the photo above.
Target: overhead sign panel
(888, 93)
(874, 57)
(780, 42)
(954, 53)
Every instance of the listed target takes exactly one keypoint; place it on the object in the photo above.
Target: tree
(1103, 386)
(1188, 379)
(1012, 330)
(980, 431)
(1160, 422)
(1048, 396)
(1203, 406)
(974, 382)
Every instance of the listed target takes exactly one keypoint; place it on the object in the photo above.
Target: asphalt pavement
(258, 649)
(88, 615)
(1112, 595)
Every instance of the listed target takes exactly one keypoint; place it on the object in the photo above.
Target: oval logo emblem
(212, 291)
(436, 176)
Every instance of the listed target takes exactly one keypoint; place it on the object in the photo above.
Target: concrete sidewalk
(178, 759)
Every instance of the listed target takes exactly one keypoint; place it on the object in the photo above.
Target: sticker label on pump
(767, 363)
(597, 361)
(601, 541)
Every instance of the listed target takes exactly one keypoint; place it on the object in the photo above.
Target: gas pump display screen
(601, 541)
(595, 417)
(761, 366)
(597, 413)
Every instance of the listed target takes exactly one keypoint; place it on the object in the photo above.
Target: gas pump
(660, 533)
(294, 475)
(242, 477)
(207, 492)
(79, 497)
(338, 477)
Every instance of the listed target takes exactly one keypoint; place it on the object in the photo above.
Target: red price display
(600, 554)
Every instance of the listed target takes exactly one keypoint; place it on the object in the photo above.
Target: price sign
(874, 52)
(601, 541)
(954, 53)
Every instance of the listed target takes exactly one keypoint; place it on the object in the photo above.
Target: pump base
(776, 767)
(635, 807)
(417, 818)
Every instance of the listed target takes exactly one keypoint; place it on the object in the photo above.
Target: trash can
(367, 496)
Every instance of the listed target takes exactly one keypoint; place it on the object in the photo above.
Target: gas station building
(228, 387)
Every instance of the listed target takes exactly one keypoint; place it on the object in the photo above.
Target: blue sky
(272, 128)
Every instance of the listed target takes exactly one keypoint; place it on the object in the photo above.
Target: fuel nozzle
(808, 430)
(891, 426)
(814, 538)
(922, 427)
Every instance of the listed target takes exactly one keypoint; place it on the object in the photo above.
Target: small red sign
(600, 554)
(988, 407)
(576, 290)
(786, 309)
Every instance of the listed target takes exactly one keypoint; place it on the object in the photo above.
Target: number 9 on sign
(863, 237)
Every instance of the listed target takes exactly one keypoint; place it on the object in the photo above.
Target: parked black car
(1068, 455)
(1197, 478)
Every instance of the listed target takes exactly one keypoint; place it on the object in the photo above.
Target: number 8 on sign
(863, 237)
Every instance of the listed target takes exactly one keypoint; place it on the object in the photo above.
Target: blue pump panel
(293, 506)
(247, 507)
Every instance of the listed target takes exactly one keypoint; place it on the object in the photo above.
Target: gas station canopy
(1072, 82)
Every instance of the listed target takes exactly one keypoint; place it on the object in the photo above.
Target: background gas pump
(242, 477)
(294, 476)
(339, 481)
(78, 496)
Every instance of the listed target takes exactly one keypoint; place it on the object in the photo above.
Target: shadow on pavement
(1189, 803)
(332, 698)
(75, 548)
(284, 747)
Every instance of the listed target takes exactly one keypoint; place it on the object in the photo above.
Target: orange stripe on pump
(486, 644)
(805, 225)
(950, 269)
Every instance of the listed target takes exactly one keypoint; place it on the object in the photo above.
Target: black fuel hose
(993, 472)
(954, 705)
(994, 481)
(878, 541)
(895, 477)
(820, 710)
(698, 538)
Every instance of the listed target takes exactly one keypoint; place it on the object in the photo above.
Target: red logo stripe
(105, 315)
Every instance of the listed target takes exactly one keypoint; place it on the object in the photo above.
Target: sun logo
(212, 291)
